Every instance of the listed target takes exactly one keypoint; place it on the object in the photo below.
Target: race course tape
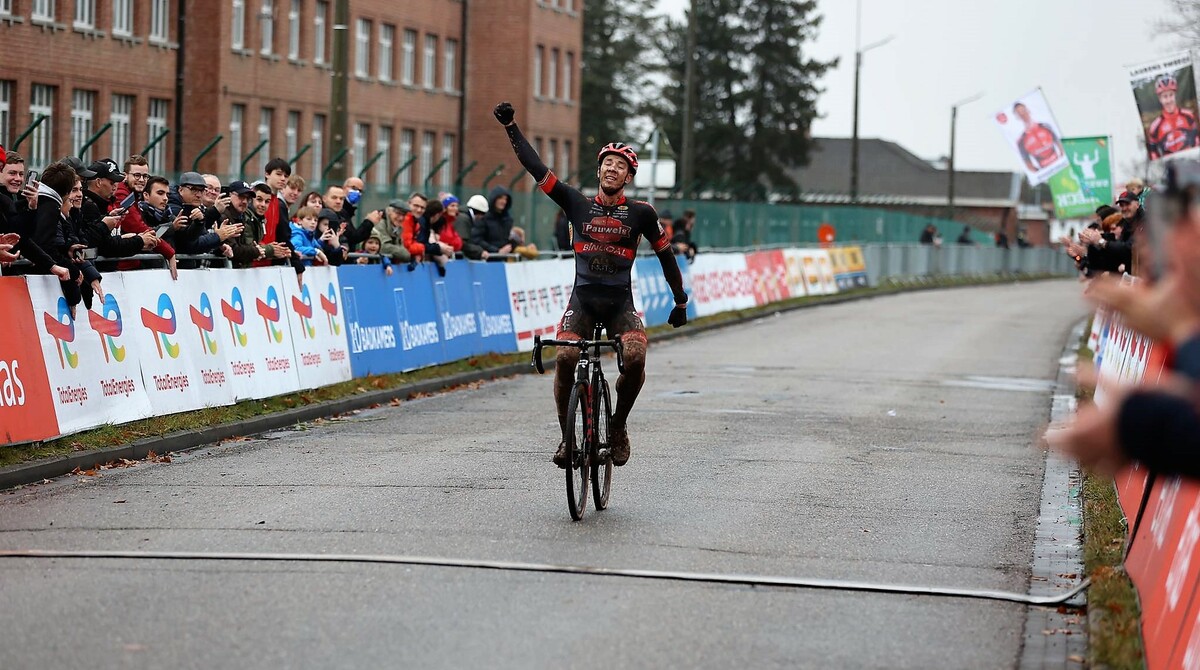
(514, 566)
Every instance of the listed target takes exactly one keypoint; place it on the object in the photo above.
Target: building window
(83, 104)
(362, 132)
(450, 65)
(266, 21)
(429, 66)
(121, 118)
(426, 160)
(236, 118)
(387, 37)
(294, 31)
(6, 7)
(407, 138)
(238, 33)
(552, 75)
(85, 13)
(43, 10)
(320, 19)
(539, 55)
(552, 155)
(568, 72)
(448, 156)
(160, 21)
(156, 122)
(565, 163)
(362, 48)
(318, 147)
(266, 116)
(292, 135)
(41, 103)
(5, 111)
(409, 57)
(383, 145)
(122, 25)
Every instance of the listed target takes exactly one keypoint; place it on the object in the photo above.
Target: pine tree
(618, 41)
(782, 90)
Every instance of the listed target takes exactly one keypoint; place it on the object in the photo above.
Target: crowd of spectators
(1145, 268)
(75, 220)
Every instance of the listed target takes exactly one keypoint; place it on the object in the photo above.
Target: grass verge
(115, 435)
(1114, 631)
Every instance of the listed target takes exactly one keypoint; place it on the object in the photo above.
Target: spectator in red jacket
(137, 173)
(417, 232)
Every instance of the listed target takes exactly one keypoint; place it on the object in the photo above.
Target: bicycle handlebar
(538, 343)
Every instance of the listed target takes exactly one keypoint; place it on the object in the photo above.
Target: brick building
(253, 70)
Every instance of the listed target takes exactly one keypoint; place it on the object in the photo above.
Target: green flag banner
(1088, 183)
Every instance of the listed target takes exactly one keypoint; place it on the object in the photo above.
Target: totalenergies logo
(107, 324)
(234, 312)
(330, 306)
(270, 313)
(302, 306)
(62, 329)
(162, 324)
(205, 322)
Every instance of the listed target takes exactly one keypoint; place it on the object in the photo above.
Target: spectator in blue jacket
(304, 236)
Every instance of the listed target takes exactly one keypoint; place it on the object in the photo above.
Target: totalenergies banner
(1165, 92)
(1087, 184)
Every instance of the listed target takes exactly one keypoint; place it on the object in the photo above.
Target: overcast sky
(948, 50)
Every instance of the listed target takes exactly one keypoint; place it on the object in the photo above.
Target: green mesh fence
(719, 224)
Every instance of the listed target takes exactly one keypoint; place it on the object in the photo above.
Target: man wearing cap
(1115, 251)
(390, 232)
(100, 226)
(196, 236)
(248, 248)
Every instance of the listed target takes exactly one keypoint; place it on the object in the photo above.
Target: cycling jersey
(1172, 132)
(604, 237)
(1039, 146)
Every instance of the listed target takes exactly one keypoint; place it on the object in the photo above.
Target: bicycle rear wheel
(602, 467)
(577, 451)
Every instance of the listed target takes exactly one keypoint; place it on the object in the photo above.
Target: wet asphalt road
(886, 440)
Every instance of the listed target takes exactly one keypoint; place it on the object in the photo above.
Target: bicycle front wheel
(578, 411)
(602, 467)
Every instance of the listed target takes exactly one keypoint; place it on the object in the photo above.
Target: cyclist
(1175, 129)
(605, 232)
(1038, 144)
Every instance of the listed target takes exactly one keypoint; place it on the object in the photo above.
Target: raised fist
(504, 113)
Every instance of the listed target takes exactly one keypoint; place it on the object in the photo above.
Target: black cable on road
(515, 566)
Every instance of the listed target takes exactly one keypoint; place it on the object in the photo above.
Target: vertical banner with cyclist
(1165, 92)
(1029, 126)
(1078, 191)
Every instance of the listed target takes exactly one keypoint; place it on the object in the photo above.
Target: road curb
(34, 472)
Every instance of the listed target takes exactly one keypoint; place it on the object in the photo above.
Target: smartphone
(163, 230)
(129, 200)
(31, 176)
(89, 253)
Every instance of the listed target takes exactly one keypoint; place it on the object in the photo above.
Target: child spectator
(329, 224)
(304, 239)
(373, 246)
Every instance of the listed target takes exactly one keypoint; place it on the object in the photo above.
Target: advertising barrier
(27, 411)
(155, 346)
(1163, 514)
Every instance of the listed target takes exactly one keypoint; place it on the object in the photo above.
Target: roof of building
(887, 172)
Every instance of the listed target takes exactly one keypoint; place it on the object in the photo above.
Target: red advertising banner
(26, 408)
(768, 271)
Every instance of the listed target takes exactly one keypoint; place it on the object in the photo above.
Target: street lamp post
(858, 56)
(950, 166)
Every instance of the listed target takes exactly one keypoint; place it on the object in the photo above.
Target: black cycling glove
(678, 316)
(504, 113)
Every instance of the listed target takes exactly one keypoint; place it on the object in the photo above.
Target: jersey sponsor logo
(598, 248)
(602, 265)
(605, 229)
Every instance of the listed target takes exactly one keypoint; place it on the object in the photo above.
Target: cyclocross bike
(590, 412)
